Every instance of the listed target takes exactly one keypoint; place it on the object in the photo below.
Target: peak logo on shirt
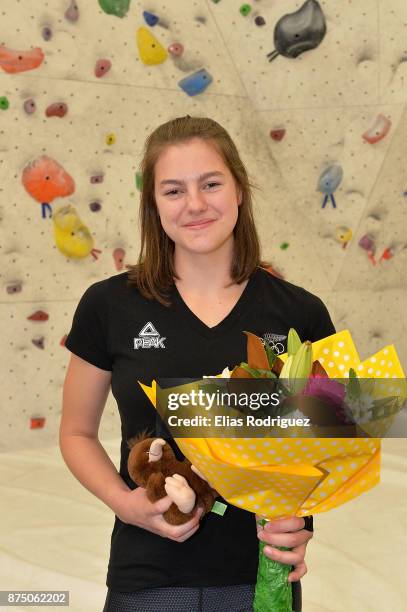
(149, 338)
(275, 341)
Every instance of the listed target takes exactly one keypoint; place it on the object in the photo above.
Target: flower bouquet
(298, 476)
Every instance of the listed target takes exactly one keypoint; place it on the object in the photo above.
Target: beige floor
(55, 535)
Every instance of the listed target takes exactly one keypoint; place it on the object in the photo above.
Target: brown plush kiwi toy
(153, 465)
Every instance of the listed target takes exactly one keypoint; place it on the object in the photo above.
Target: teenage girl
(198, 283)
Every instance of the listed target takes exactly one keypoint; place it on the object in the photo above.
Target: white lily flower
(362, 407)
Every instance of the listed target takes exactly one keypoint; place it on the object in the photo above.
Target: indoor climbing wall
(313, 93)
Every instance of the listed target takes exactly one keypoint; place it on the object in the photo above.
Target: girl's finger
(188, 534)
(162, 505)
(298, 573)
(282, 525)
(288, 557)
(179, 531)
(290, 540)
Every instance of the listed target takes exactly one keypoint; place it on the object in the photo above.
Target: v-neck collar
(227, 322)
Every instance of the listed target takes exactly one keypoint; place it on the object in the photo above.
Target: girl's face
(192, 183)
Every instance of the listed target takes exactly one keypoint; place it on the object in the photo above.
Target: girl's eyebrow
(201, 177)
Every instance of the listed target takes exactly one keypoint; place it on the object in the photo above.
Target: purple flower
(325, 388)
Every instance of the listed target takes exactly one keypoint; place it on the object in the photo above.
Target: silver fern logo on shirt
(276, 341)
(149, 337)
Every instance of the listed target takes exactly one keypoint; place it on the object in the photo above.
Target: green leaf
(267, 373)
(353, 389)
(251, 371)
(271, 355)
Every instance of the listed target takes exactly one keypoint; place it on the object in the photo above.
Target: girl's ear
(239, 196)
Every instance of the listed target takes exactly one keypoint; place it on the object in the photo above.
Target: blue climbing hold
(329, 181)
(150, 18)
(196, 83)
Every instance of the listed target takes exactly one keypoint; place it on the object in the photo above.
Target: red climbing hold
(102, 67)
(38, 315)
(387, 253)
(58, 109)
(277, 135)
(37, 422)
(378, 131)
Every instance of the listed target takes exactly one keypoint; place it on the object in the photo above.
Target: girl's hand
(136, 509)
(287, 532)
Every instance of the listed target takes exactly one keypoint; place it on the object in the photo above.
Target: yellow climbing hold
(150, 50)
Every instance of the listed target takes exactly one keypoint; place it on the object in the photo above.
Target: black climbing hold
(300, 31)
(259, 21)
(38, 342)
(95, 206)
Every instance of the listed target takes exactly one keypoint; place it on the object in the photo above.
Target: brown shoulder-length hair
(154, 272)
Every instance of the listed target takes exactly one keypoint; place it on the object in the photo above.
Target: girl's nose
(196, 201)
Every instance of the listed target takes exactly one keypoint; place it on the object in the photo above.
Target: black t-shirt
(115, 328)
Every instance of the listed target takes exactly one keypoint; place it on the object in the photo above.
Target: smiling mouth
(199, 225)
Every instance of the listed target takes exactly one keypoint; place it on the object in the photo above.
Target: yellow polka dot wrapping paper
(278, 477)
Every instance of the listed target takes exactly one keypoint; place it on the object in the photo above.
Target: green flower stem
(273, 591)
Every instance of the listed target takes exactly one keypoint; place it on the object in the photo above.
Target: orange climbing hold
(44, 179)
(13, 61)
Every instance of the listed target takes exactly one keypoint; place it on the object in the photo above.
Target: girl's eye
(175, 190)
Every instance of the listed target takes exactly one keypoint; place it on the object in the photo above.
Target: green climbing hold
(245, 9)
(4, 103)
(139, 181)
(284, 245)
(115, 7)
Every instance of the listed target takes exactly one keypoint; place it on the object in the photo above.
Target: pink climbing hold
(72, 12)
(378, 131)
(367, 243)
(102, 67)
(14, 288)
(176, 49)
(96, 178)
(58, 109)
(118, 256)
(277, 135)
